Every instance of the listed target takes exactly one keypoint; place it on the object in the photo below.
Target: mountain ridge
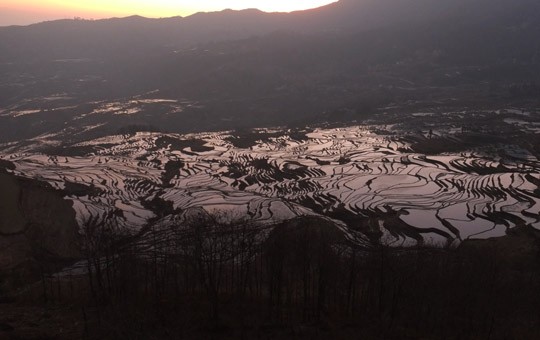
(247, 68)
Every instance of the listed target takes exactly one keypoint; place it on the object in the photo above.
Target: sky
(24, 12)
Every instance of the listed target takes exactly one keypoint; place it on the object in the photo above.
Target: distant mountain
(246, 68)
(83, 38)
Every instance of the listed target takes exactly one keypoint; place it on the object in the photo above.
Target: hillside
(249, 68)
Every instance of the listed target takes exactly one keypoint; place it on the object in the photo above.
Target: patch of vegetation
(172, 169)
(159, 207)
(196, 145)
(12, 221)
(6, 165)
(246, 141)
(131, 130)
(461, 142)
(246, 138)
(79, 190)
(74, 151)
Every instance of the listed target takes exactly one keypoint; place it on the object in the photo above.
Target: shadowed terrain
(216, 71)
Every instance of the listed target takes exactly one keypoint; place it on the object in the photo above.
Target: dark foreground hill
(305, 281)
(38, 231)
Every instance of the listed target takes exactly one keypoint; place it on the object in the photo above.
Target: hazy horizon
(28, 12)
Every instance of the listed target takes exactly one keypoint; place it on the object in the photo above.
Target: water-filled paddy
(360, 176)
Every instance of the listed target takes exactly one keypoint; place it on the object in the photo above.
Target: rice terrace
(387, 180)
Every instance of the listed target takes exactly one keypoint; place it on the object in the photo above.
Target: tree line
(296, 278)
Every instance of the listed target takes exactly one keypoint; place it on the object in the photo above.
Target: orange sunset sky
(23, 12)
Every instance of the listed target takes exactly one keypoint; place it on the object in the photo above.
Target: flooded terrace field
(398, 179)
